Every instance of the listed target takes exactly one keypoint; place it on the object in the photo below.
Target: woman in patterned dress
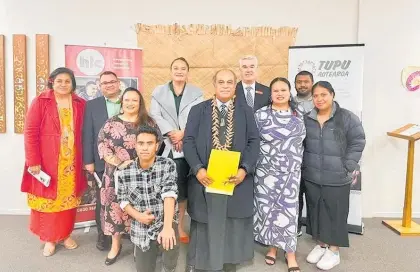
(116, 145)
(277, 175)
(53, 144)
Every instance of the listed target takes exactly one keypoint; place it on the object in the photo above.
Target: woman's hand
(35, 169)
(178, 146)
(176, 136)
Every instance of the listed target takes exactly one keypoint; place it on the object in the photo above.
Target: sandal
(70, 245)
(269, 258)
(291, 269)
(48, 252)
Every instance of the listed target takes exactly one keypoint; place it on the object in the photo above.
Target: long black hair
(338, 118)
(292, 104)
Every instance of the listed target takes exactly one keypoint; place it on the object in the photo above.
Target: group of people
(152, 167)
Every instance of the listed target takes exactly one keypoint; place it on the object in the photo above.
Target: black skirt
(328, 209)
(182, 169)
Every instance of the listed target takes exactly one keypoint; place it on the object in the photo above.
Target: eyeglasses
(108, 82)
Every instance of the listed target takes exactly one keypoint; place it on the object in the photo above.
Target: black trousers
(98, 205)
(146, 261)
(302, 191)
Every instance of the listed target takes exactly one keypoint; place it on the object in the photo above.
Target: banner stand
(342, 66)
(87, 63)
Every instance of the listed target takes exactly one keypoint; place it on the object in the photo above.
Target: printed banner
(342, 66)
(88, 62)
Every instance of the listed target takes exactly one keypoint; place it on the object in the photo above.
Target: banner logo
(334, 68)
(90, 62)
(307, 65)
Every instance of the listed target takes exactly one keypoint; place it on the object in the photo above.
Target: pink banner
(88, 62)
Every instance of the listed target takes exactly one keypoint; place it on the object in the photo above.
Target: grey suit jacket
(95, 117)
(163, 110)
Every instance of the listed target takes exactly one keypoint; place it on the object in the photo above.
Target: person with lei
(221, 225)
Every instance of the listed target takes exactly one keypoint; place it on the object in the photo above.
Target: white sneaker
(329, 260)
(316, 254)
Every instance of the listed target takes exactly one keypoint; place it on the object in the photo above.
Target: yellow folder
(222, 165)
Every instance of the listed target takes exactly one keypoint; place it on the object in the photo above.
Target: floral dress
(66, 197)
(117, 137)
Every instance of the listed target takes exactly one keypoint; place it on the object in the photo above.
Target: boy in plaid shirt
(147, 191)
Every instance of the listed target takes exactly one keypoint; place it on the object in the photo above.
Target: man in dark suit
(221, 231)
(248, 91)
(97, 112)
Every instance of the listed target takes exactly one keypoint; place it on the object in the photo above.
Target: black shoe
(109, 261)
(103, 242)
(190, 268)
(229, 267)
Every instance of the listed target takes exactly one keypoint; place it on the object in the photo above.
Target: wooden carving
(42, 62)
(19, 81)
(2, 88)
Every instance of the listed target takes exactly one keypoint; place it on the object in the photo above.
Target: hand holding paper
(239, 177)
(223, 170)
(203, 178)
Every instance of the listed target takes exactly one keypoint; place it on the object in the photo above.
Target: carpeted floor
(378, 250)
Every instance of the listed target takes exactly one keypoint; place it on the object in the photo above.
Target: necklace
(216, 126)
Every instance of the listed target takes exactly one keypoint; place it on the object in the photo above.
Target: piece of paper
(42, 177)
(98, 180)
(411, 131)
(222, 166)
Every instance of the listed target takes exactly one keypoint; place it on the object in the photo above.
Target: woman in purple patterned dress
(277, 175)
(116, 145)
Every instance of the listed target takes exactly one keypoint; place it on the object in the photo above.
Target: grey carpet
(379, 249)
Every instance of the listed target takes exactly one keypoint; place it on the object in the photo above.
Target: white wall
(111, 23)
(390, 31)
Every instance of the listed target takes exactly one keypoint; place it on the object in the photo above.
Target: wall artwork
(42, 62)
(410, 78)
(2, 88)
(209, 48)
(19, 81)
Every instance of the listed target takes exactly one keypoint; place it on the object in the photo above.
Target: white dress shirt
(219, 104)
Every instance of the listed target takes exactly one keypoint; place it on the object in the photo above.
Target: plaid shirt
(147, 189)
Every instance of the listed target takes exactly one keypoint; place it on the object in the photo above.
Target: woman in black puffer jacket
(334, 143)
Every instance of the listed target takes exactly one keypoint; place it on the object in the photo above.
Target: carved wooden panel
(2, 88)
(42, 62)
(19, 81)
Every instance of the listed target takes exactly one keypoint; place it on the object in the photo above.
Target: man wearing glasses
(97, 112)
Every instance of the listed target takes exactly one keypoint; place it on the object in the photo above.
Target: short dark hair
(148, 130)
(62, 70)
(107, 73)
(305, 73)
(225, 70)
(181, 59)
